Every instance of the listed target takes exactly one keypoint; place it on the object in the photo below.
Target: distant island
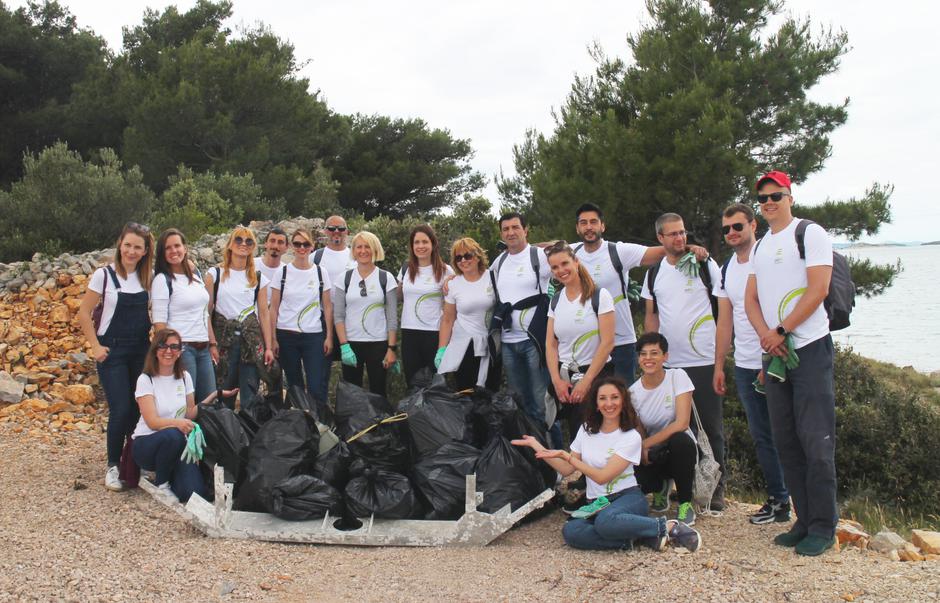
(932, 243)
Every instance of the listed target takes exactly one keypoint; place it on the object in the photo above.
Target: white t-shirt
(423, 300)
(515, 282)
(336, 263)
(577, 328)
(657, 407)
(236, 299)
(602, 271)
(96, 283)
(268, 272)
(781, 278)
(365, 316)
(685, 314)
(186, 310)
(596, 449)
(300, 307)
(473, 301)
(169, 397)
(747, 350)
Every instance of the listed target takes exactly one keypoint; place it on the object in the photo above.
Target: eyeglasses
(673, 235)
(304, 244)
(737, 226)
(336, 228)
(173, 347)
(775, 197)
(557, 246)
(141, 228)
(362, 288)
(459, 257)
(248, 242)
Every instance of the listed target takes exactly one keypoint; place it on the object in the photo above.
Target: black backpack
(840, 300)
(703, 274)
(218, 278)
(539, 322)
(595, 299)
(383, 281)
(320, 278)
(614, 261)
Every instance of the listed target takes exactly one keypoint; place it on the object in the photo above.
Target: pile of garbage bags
(298, 459)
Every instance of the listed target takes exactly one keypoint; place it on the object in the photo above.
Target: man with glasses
(680, 305)
(269, 264)
(784, 303)
(738, 227)
(335, 259)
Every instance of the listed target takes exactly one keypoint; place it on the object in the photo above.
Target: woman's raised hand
(529, 441)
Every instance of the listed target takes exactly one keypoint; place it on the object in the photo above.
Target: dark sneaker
(813, 545)
(771, 512)
(791, 538)
(660, 502)
(681, 534)
(686, 514)
(600, 503)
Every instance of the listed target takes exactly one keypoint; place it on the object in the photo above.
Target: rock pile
(924, 545)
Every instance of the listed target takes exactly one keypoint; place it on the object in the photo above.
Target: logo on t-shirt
(778, 257)
(668, 401)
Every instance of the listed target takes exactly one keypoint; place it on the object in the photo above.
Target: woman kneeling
(167, 403)
(605, 450)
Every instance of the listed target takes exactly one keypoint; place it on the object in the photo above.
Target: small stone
(82, 426)
(59, 314)
(79, 394)
(77, 485)
(926, 541)
(226, 588)
(886, 541)
(11, 390)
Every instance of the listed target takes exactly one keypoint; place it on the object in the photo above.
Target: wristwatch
(393, 348)
(781, 331)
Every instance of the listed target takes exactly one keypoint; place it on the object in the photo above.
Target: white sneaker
(166, 493)
(112, 481)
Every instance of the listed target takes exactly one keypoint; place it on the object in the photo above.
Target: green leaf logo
(695, 327)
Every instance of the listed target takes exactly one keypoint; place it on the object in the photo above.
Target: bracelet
(213, 344)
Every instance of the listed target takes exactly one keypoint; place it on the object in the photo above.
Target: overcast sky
(487, 70)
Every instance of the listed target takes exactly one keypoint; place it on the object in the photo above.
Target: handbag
(707, 471)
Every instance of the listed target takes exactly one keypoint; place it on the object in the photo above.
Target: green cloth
(779, 366)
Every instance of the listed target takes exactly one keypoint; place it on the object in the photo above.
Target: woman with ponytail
(580, 333)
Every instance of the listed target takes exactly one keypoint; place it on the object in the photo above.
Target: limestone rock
(926, 541)
(79, 394)
(851, 532)
(11, 390)
(59, 313)
(886, 541)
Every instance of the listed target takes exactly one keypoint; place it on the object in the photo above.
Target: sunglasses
(141, 228)
(737, 226)
(174, 347)
(775, 197)
(464, 256)
(336, 228)
(303, 244)
(362, 288)
(241, 241)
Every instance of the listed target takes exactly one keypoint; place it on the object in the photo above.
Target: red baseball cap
(777, 177)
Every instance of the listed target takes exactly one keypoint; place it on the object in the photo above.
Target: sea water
(902, 325)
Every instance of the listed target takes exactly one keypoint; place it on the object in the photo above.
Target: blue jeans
(118, 378)
(160, 452)
(616, 527)
(758, 422)
(241, 374)
(198, 363)
(301, 356)
(624, 357)
(526, 376)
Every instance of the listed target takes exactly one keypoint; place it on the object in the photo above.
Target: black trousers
(466, 373)
(676, 460)
(418, 349)
(370, 355)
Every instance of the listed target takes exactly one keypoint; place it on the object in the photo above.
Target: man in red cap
(784, 302)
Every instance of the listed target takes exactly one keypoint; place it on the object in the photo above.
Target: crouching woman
(166, 398)
(605, 450)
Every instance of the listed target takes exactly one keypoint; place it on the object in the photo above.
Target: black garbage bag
(305, 497)
(422, 379)
(441, 478)
(259, 411)
(249, 422)
(386, 494)
(333, 465)
(491, 412)
(298, 397)
(518, 424)
(285, 446)
(353, 401)
(506, 477)
(382, 446)
(226, 439)
(436, 416)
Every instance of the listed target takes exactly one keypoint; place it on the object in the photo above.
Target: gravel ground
(67, 538)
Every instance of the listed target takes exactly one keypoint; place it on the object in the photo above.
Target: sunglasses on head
(559, 245)
(303, 244)
(141, 228)
(775, 197)
(244, 241)
(174, 347)
(464, 256)
(336, 228)
(737, 226)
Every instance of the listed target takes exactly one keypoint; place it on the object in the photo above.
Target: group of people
(554, 319)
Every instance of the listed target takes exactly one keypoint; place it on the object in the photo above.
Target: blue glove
(348, 355)
(439, 356)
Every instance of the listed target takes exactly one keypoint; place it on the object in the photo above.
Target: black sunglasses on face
(240, 241)
(775, 197)
(304, 244)
(362, 288)
(737, 226)
(336, 228)
(464, 256)
(176, 347)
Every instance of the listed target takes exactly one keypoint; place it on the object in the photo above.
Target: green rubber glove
(396, 367)
(348, 355)
(439, 356)
(551, 288)
(688, 265)
(633, 291)
(195, 443)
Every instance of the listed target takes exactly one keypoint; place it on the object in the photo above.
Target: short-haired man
(269, 263)
(784, 301)
(680, 307)
(516, 279)
(336, 259)
(739, 227)
(609, 264)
